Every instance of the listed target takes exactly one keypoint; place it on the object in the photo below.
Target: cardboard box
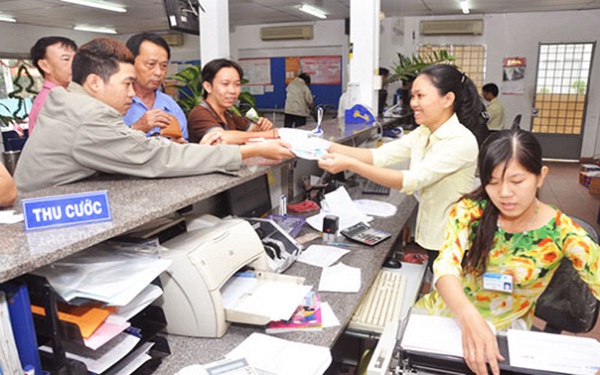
(594, 186)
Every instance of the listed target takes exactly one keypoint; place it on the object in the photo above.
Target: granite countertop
(133, 202)
(187, 351)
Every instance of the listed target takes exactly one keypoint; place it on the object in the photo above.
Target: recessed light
(7, 18)
(312, 11)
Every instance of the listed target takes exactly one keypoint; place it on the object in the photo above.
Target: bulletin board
(325, 72)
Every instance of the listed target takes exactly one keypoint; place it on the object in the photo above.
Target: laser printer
(204, 260)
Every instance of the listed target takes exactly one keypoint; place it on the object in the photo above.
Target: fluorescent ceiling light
(313, 11)
(92, 29)
(7, 19)
(463, 5)
(98, 4)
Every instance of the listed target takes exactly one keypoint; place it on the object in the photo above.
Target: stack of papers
(553, 352)
(103, 274)
(340, 204)
(98, 278)
(278, 356)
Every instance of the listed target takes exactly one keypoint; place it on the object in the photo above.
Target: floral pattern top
(531, 258)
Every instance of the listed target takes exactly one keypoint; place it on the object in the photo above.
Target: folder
(21, 319)
(87, 318)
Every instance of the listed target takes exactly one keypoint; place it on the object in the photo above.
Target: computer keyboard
(382, 304)
(375, 188)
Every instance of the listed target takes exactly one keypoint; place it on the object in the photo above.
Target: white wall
(328, 39)
(510, 35)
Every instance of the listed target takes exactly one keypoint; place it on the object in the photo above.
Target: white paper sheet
(328, 316)
(303, 144)
(273, 299)
(421, 329)
(140, 302)
(375, 208)
(321, 255)
(553, 352)
(340, 204)
(9, 217)
(100, 360)
(340, 278)
(279, 356)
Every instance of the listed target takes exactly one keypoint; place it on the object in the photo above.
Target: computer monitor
(183, 15)
(250, 199)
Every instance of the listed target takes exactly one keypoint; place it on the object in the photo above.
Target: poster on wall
(513, 75)
(293, 67)
(323, 70)
(257, 71)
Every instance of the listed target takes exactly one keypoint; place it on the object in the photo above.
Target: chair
(567, 304)
(516, 122)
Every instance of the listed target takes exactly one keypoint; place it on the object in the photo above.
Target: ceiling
(150, 15)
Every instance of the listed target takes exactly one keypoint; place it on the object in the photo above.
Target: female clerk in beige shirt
(442, 151)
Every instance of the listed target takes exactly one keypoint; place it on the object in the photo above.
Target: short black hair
(384, 71)
(100, 56)
(305, 77)
(491, 88)
(211, 69)
(38, 51)
(135, 41)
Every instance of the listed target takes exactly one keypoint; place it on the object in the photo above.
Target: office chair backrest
(516, 123)
(567, 304)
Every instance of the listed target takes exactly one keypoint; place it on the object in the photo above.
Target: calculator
(364, 234)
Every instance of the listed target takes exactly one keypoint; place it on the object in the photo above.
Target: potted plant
(408, 67)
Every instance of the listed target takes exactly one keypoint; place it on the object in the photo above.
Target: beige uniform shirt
(439, 173)
(496, 112)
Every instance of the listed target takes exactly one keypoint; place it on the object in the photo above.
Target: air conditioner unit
(286, 32)
(452, 27)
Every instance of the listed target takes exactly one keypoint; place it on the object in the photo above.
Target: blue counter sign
(65, 210)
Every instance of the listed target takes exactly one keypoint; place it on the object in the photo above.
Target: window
(470, 59)
(561, 87)
(10, 68)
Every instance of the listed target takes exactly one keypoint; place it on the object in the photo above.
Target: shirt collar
(49, 84)
(448, 129)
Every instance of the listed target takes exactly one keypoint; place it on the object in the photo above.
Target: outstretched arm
(8, 189)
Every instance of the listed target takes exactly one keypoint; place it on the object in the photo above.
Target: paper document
(321, 255)
(421, 328)
(340, 278)
(104, 274)
(9, 217)
(272, 299)
(106, 332)
(98, 361)
(140, 302)
(375, 208)
(553, 352)
(303, 144)
(340, 204)
(328, 316)
(279, 356)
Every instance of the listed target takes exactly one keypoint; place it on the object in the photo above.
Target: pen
(343, 244)
(283, 205)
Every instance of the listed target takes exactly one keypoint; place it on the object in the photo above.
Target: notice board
(325, 72)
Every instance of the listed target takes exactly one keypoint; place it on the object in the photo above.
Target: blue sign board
(65, 210)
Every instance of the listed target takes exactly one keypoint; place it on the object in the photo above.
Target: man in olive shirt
(80, 131)
(494, 107)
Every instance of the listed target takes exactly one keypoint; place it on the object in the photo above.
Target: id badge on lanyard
(498, 282)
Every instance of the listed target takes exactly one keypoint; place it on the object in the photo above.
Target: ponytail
(468, 106)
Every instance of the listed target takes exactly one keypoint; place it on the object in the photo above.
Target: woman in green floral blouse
(501, 248)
